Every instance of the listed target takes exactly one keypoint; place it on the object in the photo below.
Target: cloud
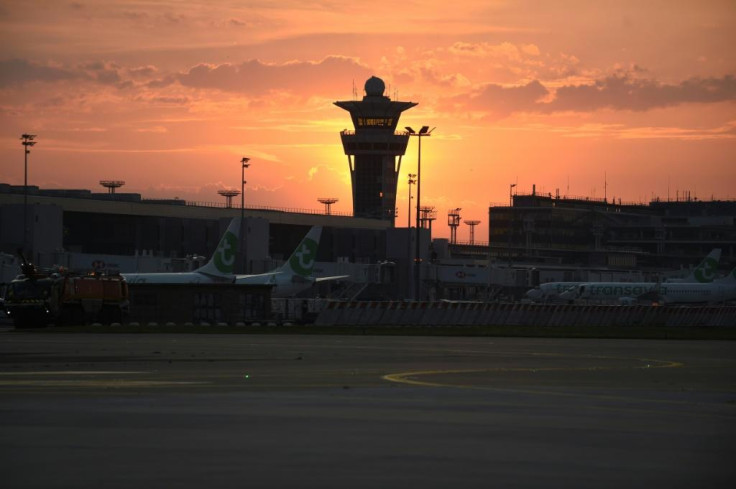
(147, 71)
(622, 92)
(256, 78)
(20, 71)
(16, 72)
(504, 50)
(498, 100)
(625, 92)
(170, 100)
(102, 72)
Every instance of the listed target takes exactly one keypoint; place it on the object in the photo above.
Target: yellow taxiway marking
(30, 382)
(93, 383)
(72, 372)
(406, 377)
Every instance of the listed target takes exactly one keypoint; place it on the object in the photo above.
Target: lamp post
(27, 142)
(511, 198)
(412, 181)
(511, 220)
(244, 162)
(424, 131)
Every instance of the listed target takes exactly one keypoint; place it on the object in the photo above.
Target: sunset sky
(568, 95)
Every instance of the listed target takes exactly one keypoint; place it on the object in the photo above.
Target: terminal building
(650, 237)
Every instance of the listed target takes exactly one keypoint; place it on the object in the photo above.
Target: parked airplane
(218, 270)
(722, 290)
(664, 292)
(609, 291)
(553, 291)
(295, 275)
(705, 272)
(550, 291)
(288, 280)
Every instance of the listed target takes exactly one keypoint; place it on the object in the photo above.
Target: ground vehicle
(39, 297)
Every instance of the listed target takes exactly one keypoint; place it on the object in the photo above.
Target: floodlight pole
(244, 162)
(511, 198)
(412, 181)
(511, 221)
(424, 131)
(27, 142)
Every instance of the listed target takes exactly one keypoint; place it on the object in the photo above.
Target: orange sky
(568, 95)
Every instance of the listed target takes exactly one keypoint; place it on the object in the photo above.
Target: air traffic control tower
(372, 149)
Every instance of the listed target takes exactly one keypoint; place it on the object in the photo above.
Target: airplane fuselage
(173, 278)
(697, 293)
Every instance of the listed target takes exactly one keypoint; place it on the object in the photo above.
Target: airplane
(219, 269)
(622, 292)
(664, 292)
(721, 290)
(288, 280)
(705, 272)
(550, 291)
(553, 291)
(295, 275)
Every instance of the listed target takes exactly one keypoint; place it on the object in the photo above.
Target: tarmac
(217, 410)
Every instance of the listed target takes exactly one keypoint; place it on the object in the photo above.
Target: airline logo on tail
(706, 272)
(225, 253)
(302, 261)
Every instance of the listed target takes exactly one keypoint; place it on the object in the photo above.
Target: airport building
(83, 230)
(651, 237)
(538, 238)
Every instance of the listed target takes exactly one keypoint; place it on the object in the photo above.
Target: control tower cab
(372, 150)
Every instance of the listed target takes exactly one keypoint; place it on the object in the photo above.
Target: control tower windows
(375, 121)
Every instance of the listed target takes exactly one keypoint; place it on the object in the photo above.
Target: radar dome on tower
(374, 87)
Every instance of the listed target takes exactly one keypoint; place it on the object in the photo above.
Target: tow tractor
(38, 297)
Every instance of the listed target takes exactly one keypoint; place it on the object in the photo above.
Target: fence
(518, 314)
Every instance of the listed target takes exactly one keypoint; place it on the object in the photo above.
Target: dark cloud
(171, 100)
(143, 71)
(329, 76)
(617, 92)
(105, 73)
(499, 100)
(15, 72)
(19, 71)
(624, 92)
